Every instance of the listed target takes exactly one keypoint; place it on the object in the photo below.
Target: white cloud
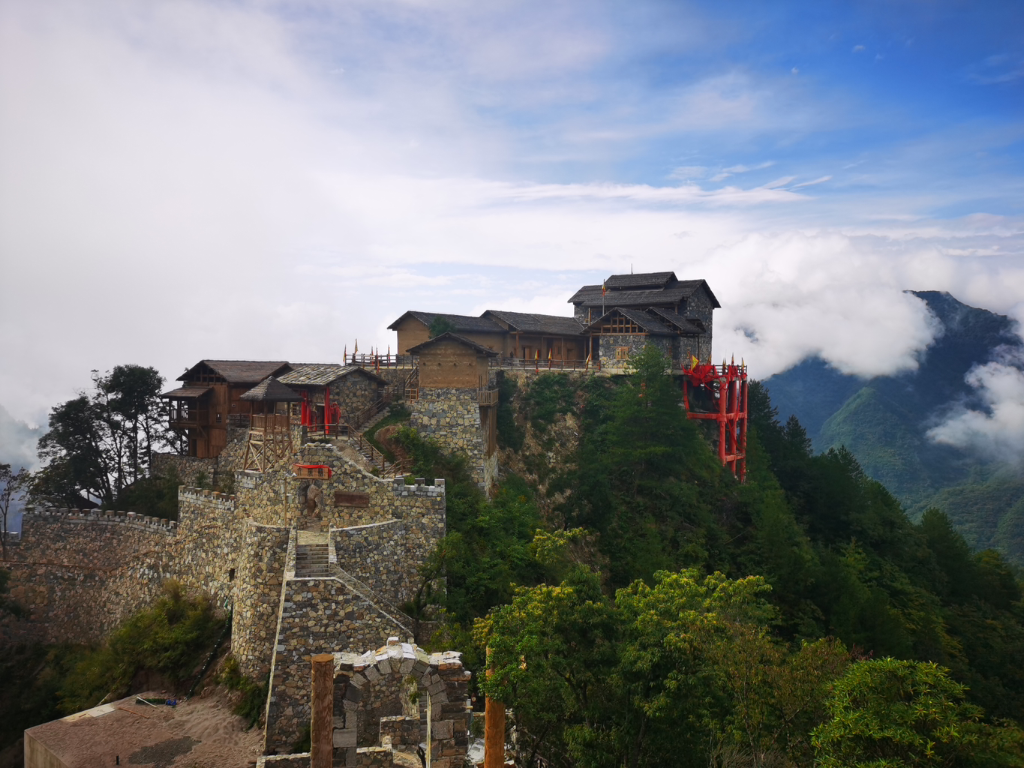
(858, 49)
(183, 180)
(997, 429)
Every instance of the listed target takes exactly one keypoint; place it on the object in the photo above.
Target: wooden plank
(351, 499)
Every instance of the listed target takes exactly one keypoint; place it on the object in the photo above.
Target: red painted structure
(727, 386)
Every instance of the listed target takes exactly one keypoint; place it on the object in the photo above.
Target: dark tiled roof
(478, 348)
(270, 390)
(650, 324)
(552, 325)
(238, 371)
(461, 323)
(687, 326)
(642, 280)
(187, 393)
(322, 374)
(590, 295)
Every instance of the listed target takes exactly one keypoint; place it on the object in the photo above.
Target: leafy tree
(100, 443)
(170, 638)
(13, 484)
(439, 326)
(891, 714)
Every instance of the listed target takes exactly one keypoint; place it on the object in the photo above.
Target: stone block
(344, 737)
(442, 729)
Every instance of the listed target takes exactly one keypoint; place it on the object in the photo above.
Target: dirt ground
(200, 733)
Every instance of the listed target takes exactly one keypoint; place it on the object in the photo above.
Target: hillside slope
(883, 421)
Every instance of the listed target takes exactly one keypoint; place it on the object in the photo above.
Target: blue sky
(193, 179)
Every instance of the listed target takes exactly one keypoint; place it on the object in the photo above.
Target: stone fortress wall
(81, 574)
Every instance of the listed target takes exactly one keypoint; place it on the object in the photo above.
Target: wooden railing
(270, 422)
(189, 417)
(522, 364)
(367, 448)
(379, 361)
(487, 396)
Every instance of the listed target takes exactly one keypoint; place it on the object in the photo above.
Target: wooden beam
(322, 724)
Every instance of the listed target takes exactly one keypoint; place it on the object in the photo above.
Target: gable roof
(671, 293)
(686, 326)
(478, 348)
(270, 390)
(641, 280)
(650, 324)
(187, 393)
(238, 371)
(322, 374)
(461, 323)
(552, 325)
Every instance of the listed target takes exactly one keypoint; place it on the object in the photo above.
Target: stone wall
(278, 497)
(699, 306)
(81, 573)
(635, 343)
(318, 615)
(452, 418)
(257, 602)
(354, 392)
(190, 470)
(443, 686)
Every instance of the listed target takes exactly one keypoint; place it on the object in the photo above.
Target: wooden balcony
(487, 396)
(183, 418)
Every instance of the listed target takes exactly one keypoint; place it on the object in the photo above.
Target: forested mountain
(883, 422)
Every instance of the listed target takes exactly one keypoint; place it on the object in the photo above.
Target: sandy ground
(201, 733)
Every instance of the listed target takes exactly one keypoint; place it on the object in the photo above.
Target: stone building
(333, 394)
(210, 394)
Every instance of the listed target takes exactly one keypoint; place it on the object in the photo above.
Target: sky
(276, 180)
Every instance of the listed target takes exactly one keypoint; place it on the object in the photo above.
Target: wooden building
(451, 361)
(210, 395)
(521, 335)
(531, 336)
(332, 395)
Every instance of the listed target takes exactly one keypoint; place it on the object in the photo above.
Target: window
(622, 353)
(231, 574)
(618, 324)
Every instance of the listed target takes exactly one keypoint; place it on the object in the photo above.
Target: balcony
(487, 396)
(182, 418)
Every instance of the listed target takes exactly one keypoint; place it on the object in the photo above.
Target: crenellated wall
(81, 573)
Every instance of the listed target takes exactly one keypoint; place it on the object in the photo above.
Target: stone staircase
(373, 421)
(312, 560)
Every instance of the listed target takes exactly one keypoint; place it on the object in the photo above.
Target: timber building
(610, 323)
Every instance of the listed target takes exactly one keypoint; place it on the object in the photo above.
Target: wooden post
(494, 728)
(322, 725)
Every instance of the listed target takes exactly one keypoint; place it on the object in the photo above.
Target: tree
(439, 326)
(13, 484)
(895, 714)
(99, 444)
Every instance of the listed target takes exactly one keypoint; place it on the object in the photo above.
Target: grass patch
(254, 695)
(397, 414)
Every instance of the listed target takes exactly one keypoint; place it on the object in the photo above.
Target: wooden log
(494, 728)
(322, 725)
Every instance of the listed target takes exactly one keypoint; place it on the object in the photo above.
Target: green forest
(643, 608)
